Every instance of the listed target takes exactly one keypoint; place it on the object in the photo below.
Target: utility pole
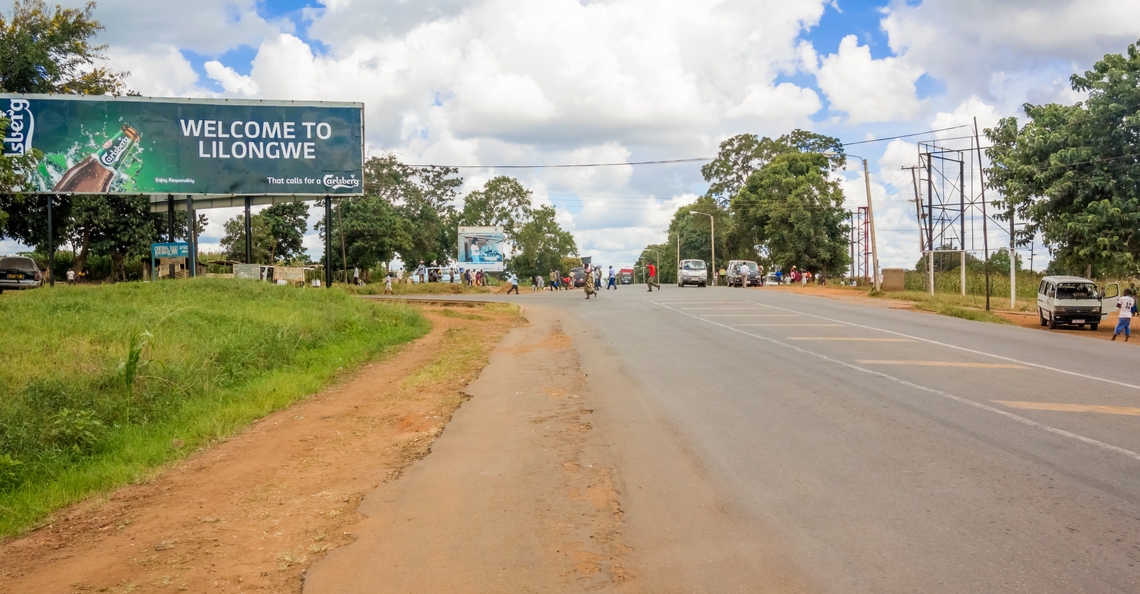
(922, 247)
(51, 244)
(985, 227)
(1012, 261)
(870, 217)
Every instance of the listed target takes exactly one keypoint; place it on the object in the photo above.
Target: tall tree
(50, 51)
(743, 154)
(261, 245)
(796, 211)
(287, 223)
(502, 201)
(1072, 172)
(121, 227)
(45, 50)
(542, 243)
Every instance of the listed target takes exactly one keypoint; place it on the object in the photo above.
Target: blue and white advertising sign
(481, 248)
(170, 250)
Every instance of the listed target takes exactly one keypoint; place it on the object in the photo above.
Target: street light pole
(712, 232)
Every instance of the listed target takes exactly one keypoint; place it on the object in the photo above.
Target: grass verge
(101, 384)
(946, 309)
(417, 289)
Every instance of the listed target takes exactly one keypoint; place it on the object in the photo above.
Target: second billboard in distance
(129, 145)
(481, 248)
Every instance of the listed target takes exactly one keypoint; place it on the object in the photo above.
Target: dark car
(578, 276)
(19, 272)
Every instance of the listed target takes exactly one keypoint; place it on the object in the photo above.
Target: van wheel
(1052, 323)
(1093, 327)
(1042, 316)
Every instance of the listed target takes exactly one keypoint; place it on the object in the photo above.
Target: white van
(1074, 301)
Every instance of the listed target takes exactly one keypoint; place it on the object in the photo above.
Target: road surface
(762, 440)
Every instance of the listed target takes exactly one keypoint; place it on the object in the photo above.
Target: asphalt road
(763, 440)
(895, 451)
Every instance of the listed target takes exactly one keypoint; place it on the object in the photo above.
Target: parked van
(749, 276)
(693, 272)
(1074, 301)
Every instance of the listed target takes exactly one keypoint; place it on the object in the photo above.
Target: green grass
(960, 301)
(220, 354)
(946, 309)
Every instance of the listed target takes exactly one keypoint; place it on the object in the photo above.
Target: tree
(1071, 172)
(423, 195)
(796, 211)
(744, 154)
(945, 261)
(374, 230)
(45, 51)
(999, 260)
(50, 51)
(502, 201)
(696, 236)
(542, 244)
(286, 223)
(119, 227)
(261, 246)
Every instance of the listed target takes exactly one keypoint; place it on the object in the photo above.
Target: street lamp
(712, 231)
(870, 218)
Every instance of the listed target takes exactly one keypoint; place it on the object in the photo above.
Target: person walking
(1126, 304)
(558, 280)
(388, 284)
(612, 284)
(70, 277)
(652, 280)
(421, 271)
(514, 280)
(597, 278)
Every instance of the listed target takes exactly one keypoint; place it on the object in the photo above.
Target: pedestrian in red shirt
(653, 278)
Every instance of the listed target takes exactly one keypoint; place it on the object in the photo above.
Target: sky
(509, 82)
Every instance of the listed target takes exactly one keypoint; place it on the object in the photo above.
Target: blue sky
(485, 82)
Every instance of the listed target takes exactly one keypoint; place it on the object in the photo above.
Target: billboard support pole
(51, 243)
(248, 233)
(328, 242)
(170, 218)
(190, 238)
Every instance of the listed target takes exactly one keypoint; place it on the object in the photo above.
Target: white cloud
(868, 90)
(230, 80)
(209, 27)
(1003, 49)
(157, 71)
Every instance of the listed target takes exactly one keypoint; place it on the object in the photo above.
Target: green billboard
(138, 145)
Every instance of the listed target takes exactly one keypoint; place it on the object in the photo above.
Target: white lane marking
(847, 338)
(749, 315)
(753, 308)
(959, 399)
(964, 349)
(787, 325)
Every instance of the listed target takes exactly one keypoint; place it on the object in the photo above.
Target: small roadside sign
(170, 250)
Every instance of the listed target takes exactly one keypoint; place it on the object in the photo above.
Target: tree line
(773, 201)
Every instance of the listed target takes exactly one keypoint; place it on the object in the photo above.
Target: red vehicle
(626, 276)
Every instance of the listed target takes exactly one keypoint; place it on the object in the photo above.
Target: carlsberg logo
(335, 182)
(111, 156)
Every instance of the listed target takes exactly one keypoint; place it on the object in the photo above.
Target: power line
(564, 166)
(661, 162)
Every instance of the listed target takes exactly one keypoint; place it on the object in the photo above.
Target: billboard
(481, 248)
(137, 145)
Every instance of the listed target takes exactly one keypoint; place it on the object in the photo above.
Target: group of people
(801, 277)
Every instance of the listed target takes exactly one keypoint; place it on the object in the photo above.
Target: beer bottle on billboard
(94, 174)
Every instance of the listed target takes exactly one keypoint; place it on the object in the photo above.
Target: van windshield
(694, 265)
(1076, 291)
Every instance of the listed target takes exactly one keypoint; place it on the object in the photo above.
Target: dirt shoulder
(252, 513)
